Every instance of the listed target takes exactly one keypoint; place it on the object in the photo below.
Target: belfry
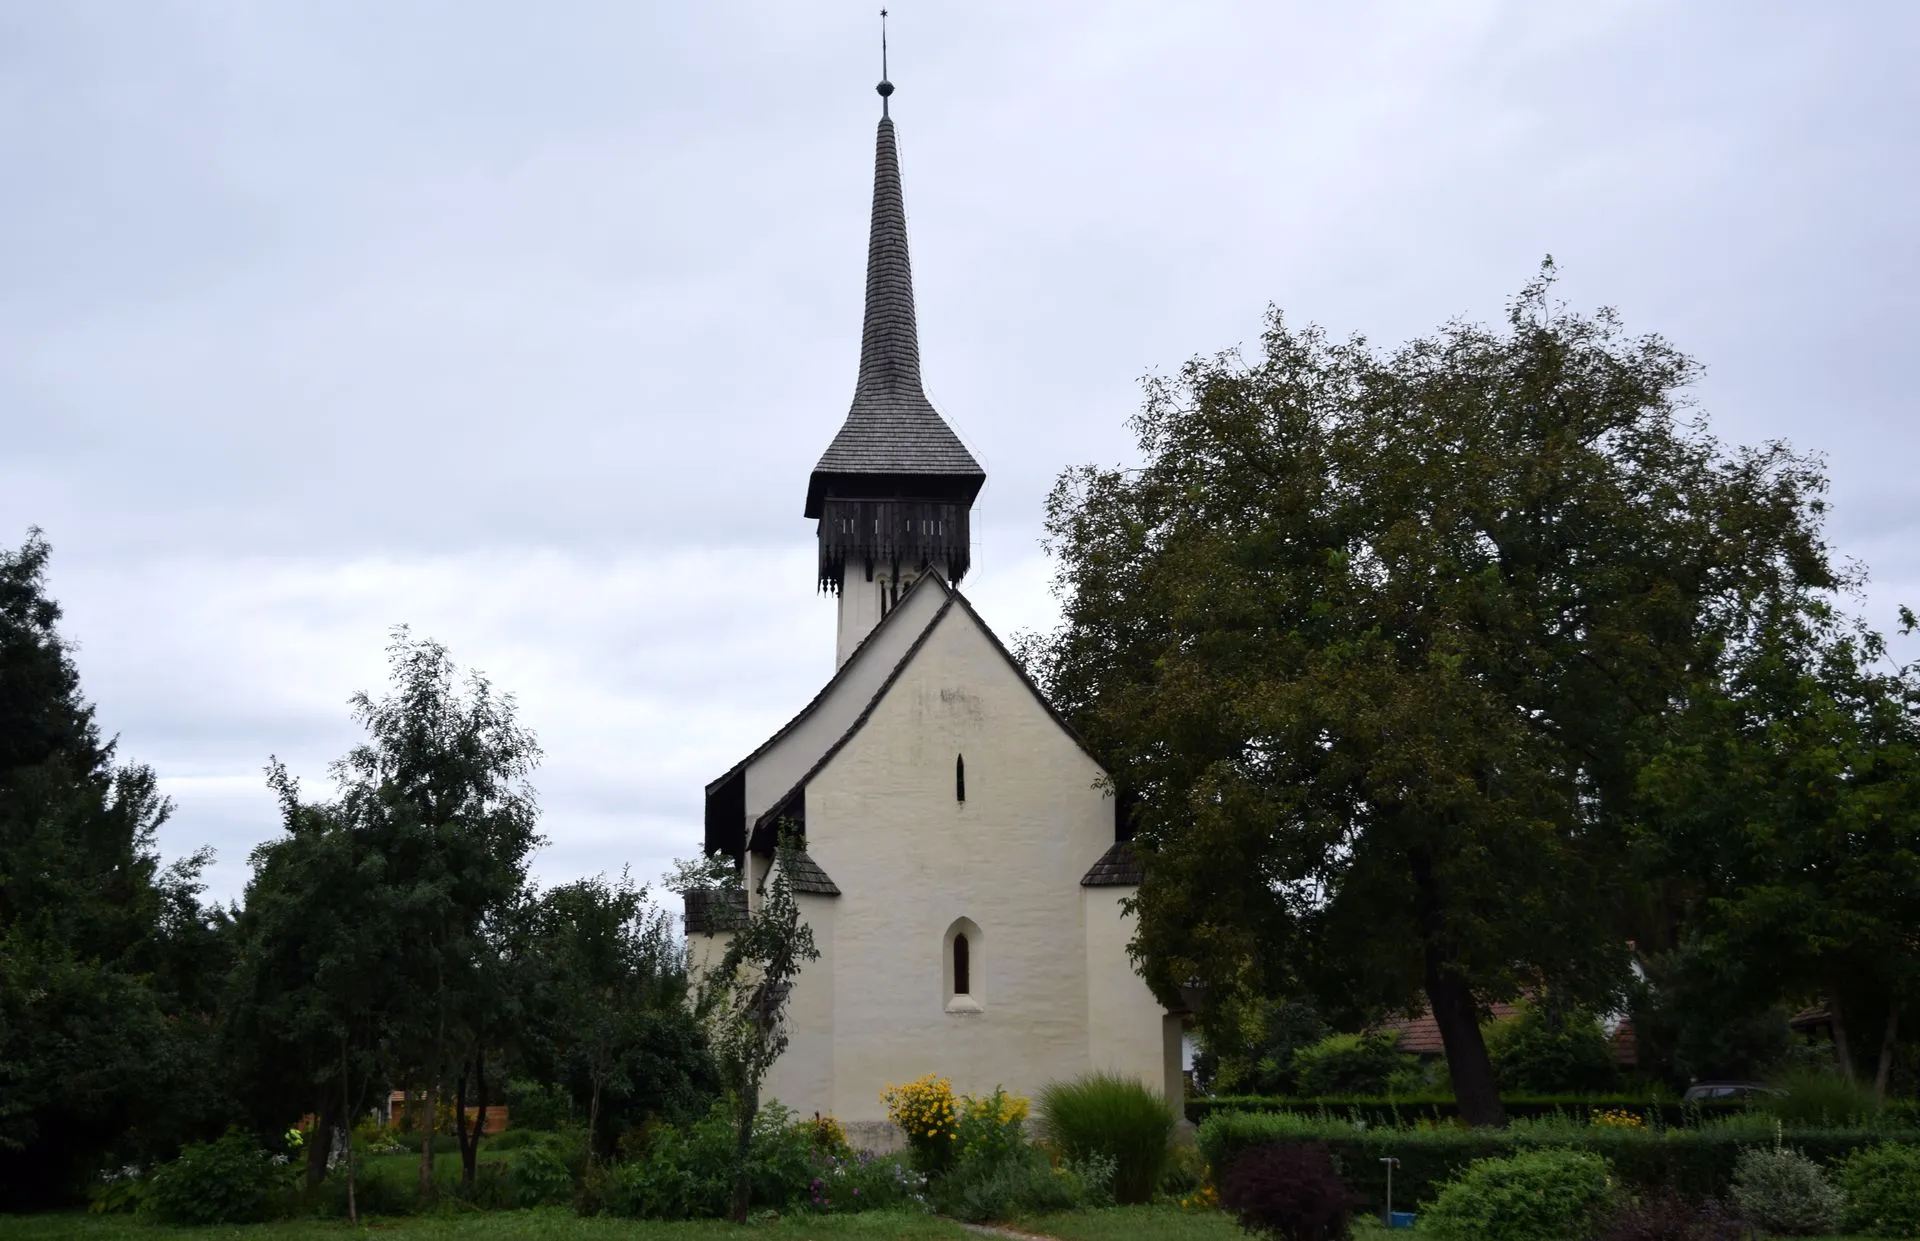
(894, 491)
(961, 862)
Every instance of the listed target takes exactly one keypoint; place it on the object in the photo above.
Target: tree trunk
(346, 1111)
(432, 1104)
(1453, 1005)
(1837, 1022)
(593, 1123)
(743, 1146)
(460, 1128)
(469, 1134)
(1883, 1075)
(318, 1143)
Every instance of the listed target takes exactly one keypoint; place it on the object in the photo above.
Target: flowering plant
(1617, 1118)
(924, 1110)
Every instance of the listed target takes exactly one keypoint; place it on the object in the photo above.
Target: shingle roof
(892, 429)
(808, 877)
(1118, 867)
(711, 909)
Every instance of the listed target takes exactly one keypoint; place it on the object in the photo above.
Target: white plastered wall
(863, 606)
(909, 859)
(1127, 1034)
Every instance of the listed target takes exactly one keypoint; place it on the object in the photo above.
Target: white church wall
(774, 773)
(1126, 1035)
(805, 1071)
(910, 859)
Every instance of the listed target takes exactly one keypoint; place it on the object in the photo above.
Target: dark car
(1725, 1090)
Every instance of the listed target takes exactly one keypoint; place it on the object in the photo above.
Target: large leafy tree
(1786, 807)
(440, 794)
(104, 953)
(1377, 636)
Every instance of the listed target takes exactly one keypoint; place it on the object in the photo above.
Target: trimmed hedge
(1695, 1162)
(1413, 1109)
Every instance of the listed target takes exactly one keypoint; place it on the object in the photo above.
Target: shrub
(1542, 1195)
(1783, 1191)
(1025, 1183)
(1116, 1117)
(1818, 1097)
(991, 1128)
(826, 1133)
(1882, 1185)
(537, 1106)
(376, 1191)
(1670, 1216)
(223, 1182)
(1289, 1191)
(688, 1173)
(924, 1110)
(846, 1181)
(1351, 1063)
(1532, 1053)
(538, 1176)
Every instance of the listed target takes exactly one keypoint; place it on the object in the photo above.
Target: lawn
(546, 1224)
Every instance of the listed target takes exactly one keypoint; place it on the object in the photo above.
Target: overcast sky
(524, 323)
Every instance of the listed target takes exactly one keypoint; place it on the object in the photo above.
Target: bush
(1669, 1216)
(376, 1191)
(1291, 1192)
(537, 1106)
(1882, 1185)
(1818, 1097)
(1542, 1195)
(538, 1176)
(925, 1111)
(223, 1182)
(1532, 1053)
(688, 1173)
(846, 1181)
(1112, 1116)
(1351, 1063)
(1783, 1191)
(1023, 1183)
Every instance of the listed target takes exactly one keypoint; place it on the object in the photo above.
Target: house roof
(892, 429)
(761, 836)
(1421, 1035)
(1118, 867)
(808, 877)
(715, 909)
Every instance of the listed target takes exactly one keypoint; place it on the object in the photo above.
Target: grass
(1162, 1223)
(546, 1224)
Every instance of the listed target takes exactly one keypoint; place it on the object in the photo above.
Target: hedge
(1414, 1109)
(1695, 1161)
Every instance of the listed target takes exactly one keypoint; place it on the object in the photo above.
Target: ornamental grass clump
(1116, 1117)
(1786, 1193)
(924, 1109)
(1540, 1195)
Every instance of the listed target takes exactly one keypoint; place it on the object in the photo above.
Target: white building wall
(883, 821)
(805, 1071)
(864, 603)
(1127, 1035)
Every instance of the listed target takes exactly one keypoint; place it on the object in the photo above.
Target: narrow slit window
(962, 980)
(959, 777)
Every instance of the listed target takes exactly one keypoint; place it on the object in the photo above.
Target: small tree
(743, 1000)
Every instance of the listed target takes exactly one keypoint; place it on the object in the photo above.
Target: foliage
(1289, 1192)
(925, 1110)
(1785, 1192)
(536, 1105)
(826, 1134)
(1019, 1181)
(106, 956)
(1248, 1044)
(1350, 1063)
(1669, 1216)
(1698, 1016)
(845, 1181)
(690, 1172)
(1882, 1185)
(1617, 1118)
(539, 1176)
(1544, 1051)
(1114, 1116)
(1541, 1195)
(1698, 1162)
(743, 1002)
(226, 1181)
(991, 1128)
(1817, 1097)
(1378, 639)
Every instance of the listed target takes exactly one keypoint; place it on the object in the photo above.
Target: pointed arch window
(960, 948)
(962, 965)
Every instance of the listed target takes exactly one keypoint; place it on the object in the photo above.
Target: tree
(616, 982)
(439, 792)
(1787, 797)
(1378, 638)
(743, 1001)
(103, 951)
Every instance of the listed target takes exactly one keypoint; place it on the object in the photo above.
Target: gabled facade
(964, 867)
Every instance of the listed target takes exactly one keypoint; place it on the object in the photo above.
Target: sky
(524, 324)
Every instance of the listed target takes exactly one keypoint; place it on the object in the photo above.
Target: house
(964, 865)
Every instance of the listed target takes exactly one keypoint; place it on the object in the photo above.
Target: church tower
(894, 491)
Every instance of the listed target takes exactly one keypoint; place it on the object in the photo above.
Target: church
(964, 865)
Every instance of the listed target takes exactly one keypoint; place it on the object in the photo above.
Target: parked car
(1726, 1090)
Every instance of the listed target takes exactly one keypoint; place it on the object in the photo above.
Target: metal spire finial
(885, 88)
